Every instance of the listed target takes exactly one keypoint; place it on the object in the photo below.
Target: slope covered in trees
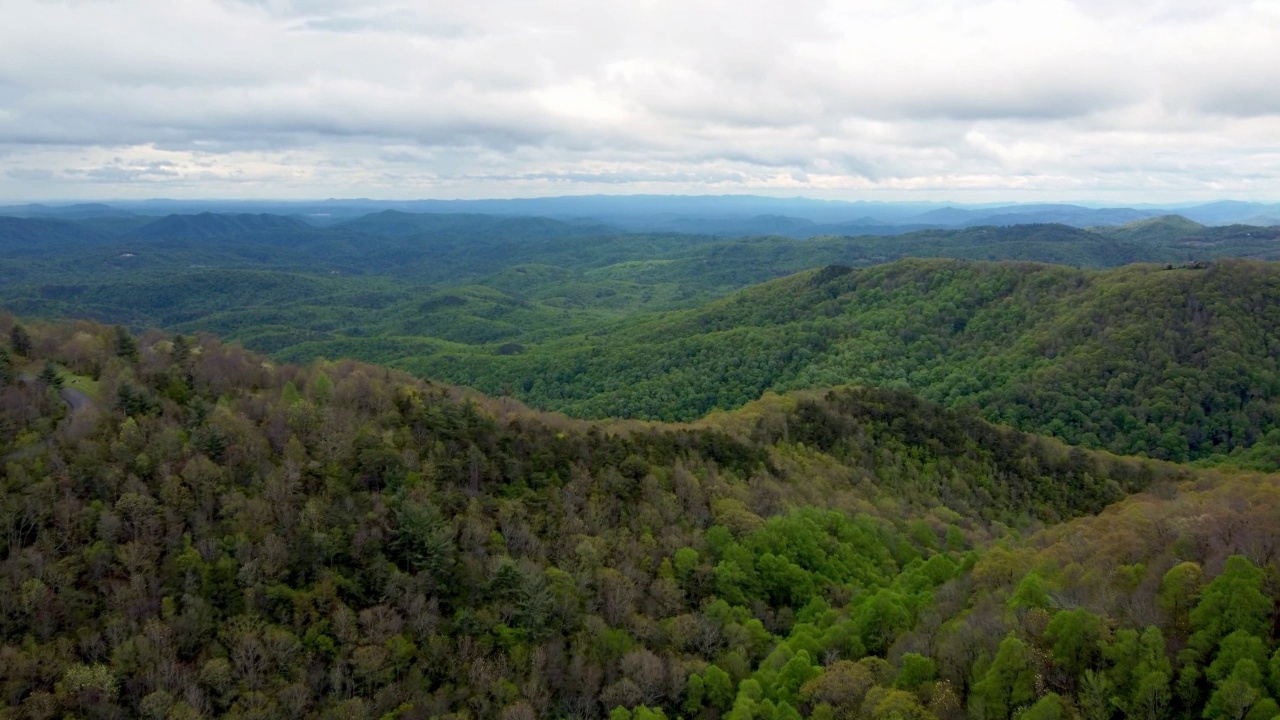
(86, 267)
(213, 534)
(1176, 362)
(579, 318)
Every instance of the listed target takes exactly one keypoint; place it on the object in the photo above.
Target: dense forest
(189, 530)
(1174, 360)
(1178, 362)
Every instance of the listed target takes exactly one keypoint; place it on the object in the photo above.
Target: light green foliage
(1233, 649)
(1274, 676)
(1007, 685)
(1138, 664)
(1075, 636)
(1094, 696)
(798, 671)
(1232, 602)
(1031, 593)
(686, 559)
(880, 619)
(1150, 699)
(1049, 707)
(1234, 696)
(916, 670)
(1179, 591)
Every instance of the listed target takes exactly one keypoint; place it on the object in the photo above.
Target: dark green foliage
(1177, 364)
(583, 319)
(125, 346)
(424, 539)
(49, 376)
(20, 340)
(134, 400)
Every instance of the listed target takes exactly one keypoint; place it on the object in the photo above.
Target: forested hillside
(188, 530)
(1176, 362)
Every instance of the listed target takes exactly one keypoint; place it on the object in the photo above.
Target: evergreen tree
(125, 346)
(49, 376)
(20, 340)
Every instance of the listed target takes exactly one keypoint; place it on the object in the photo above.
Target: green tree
(20, 340)
(1234, 601)
(916, 671)
(1235, 696)
(1135, 657)
(880, 619)
(718, 687)
(49, 376)
(891, 704)
(1031, 593)
(424, 538)
(1049, 707)
(1008, 684)
(1179, 591)
(125, 346)
(1234, 648)
(1095, 696)
(1075, 636)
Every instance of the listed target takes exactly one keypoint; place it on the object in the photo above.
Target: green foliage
(1162, 360)
(916, 671)
(1180, 590)
(1233, 602)
(1007, 685)
(219, 535)
(1140, 671)
(1076, 640)
(19, 341)
(1049, 707)
(49, 376)
(1030, 594)
(1117, 359)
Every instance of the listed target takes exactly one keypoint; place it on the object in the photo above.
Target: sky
(973, 100)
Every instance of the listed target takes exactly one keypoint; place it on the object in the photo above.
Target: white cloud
(1152, 99)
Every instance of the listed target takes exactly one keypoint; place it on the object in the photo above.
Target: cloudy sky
(1106, 100)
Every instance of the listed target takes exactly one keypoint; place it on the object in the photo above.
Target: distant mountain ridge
(727, 215)
(209, 225)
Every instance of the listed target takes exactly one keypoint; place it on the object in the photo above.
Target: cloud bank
(883, 99)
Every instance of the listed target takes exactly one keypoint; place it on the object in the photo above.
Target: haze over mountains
(728, 215)
(581, 315)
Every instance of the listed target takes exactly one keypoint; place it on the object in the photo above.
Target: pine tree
(49, 376)
(126, 346)
(20, 341)
(6, 368)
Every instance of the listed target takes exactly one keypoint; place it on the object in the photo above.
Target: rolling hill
(217, 534)
(1175, 362)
